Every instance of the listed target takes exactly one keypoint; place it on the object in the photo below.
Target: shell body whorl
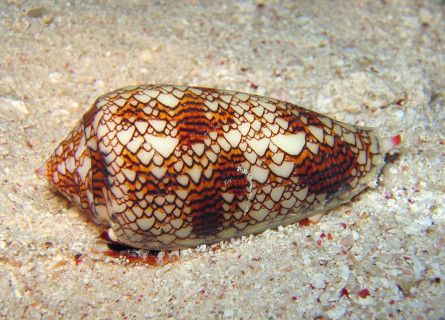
(167, 167)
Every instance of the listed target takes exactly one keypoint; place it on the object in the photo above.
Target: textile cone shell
(167, 167)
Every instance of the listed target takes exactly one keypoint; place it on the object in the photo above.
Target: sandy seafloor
(379, 63)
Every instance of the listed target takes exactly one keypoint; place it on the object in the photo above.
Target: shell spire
(68, 169)
(165, 167)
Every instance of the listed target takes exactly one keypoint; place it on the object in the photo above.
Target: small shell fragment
(166, 167)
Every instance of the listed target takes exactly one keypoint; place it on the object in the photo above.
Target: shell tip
(42, 171)
(390, 143)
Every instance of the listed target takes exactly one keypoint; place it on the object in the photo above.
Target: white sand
(353, 60)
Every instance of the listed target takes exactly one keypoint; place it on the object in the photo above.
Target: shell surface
(166, 167)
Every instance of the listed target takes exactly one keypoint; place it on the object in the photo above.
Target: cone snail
(166, 167)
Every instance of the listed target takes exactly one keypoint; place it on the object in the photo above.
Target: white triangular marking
(291, 144)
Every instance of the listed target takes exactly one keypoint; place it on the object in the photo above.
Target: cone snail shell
(166, 167)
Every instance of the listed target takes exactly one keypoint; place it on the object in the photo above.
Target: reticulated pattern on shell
(167, 167)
